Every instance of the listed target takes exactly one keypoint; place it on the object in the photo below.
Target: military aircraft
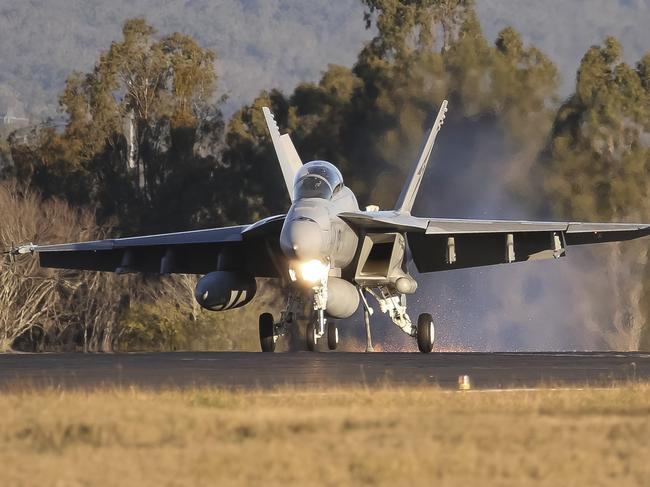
(328, 254)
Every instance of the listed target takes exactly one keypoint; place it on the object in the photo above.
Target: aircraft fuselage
(312, 230)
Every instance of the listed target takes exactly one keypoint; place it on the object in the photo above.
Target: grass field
(391, 436)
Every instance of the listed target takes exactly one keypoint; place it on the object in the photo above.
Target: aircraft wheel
(267, 330)
(426, 333)
(332, 335)
(311, 336)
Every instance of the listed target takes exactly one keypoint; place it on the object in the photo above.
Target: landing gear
(367, 313)
(314, 334)
(318, 325)
(271, 331)
(425, 333)
(268, 338)
(393, 303)
(311, 338)
(332, 335)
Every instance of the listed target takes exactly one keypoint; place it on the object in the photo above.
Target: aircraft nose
(301, 239)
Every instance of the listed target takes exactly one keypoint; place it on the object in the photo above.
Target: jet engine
(342, 298)
(224, 290)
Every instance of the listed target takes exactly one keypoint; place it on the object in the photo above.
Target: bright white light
(313, 271)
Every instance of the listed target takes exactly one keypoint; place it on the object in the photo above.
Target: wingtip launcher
(14, 251)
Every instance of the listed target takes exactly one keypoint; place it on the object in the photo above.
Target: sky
(564, 29)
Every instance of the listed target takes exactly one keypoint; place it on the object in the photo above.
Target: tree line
(145, 148)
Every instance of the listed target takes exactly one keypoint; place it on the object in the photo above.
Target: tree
(370, 120)
(47, 308)
(596, 168)
(135, 126)
(5, 156)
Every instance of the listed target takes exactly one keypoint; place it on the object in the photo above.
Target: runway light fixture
(464, 383)
(313, 271)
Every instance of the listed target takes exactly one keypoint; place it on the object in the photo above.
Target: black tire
(426, 333)
(332, 335)
(267, 329)
(311, 336)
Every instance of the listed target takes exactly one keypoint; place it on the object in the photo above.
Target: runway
(257, 370)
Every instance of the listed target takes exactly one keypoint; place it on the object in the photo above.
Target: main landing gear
(426, 333)
(394, 304)
(270, 331)
(268, 338)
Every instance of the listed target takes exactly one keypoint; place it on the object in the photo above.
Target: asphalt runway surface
(258, 370)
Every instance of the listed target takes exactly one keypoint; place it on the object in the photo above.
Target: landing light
(292, 275)
(313, 271)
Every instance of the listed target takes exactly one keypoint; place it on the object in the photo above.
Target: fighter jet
(328, 255)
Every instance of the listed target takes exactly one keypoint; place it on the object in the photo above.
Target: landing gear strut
(367, 313)
(319, 325)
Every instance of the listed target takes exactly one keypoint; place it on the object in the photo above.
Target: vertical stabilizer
(410, 190)
(287, 155)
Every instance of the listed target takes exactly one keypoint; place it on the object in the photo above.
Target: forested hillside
(263, 43)
(146, 148)
(259, 42)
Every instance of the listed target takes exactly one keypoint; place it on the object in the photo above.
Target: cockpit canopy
(317, 179)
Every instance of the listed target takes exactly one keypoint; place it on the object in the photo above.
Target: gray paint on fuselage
(312, 229)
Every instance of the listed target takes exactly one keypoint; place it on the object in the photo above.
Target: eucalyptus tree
(134, 125)
(369, 119)
(597, 166)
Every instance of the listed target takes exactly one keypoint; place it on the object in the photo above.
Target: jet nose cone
(301, 239)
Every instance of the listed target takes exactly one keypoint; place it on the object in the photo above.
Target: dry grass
(326, 437)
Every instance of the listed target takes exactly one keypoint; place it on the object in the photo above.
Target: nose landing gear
(313, 335)
(332, 336)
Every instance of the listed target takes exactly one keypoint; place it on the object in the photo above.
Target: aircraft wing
(439, 244)
(251, 248)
